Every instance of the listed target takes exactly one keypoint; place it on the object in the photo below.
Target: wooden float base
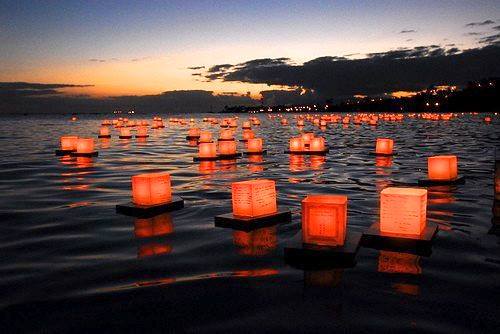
(131, 209)
(104, 136)
(124, 137)
(219, 157)
(88, 155)
(63, 152)
(264, 152)
(308, 152)
(308, 256)
(228, 220)
(192, 137)
(426, 182)
(420, 244)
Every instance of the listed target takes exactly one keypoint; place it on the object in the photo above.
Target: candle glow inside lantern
(297, 144)
(68, 143)
(207, 150)
(324, 220)
(85, 145)
(226, 134)
(142, 132)
(205, 136)
(125, 133)
(442, 168)
(227, 147)
(403, 210)
(254, 145)
(384, 146)
(246, 125)
(151, 189)
(307, 137)
(248, 134)
(254, 198)
(194, 132)
(317, 144)
(104, 131)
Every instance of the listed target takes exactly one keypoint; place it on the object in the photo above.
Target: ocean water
(69, 262)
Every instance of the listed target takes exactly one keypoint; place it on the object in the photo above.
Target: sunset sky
(128, 47)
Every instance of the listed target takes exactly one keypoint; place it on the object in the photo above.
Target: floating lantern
(205, 137)
(317, 144)
(284, 121)
(74, 118)
(125, 133)
(442, 168)
(324, 219)
(142, 132)
(194, 133)
(233, 123)
(487, 119)
(297, 144)
(307, 137)
(85, 145)
(254, 145)
(256, 121)
(248, 134)
(403, 210)
(254, 198)
(207, 150)
(151, 189)
(384, 146)
(104, 132)
(246, 125)
(68, 143)
(226, 134)
(300, 122)
(227, 147)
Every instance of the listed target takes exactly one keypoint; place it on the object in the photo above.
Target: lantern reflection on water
(254, 198)
(207, 150)
(248, 134)
(383, 161)
(68, 143)
(317, 161)
(296, 162)
(256, 243)
(324, 219)
(403, 210)
(399, 263)
(442, 168)
(384, 146)
(151, 189)
(153, 249)
(207, 167)
(152, 227)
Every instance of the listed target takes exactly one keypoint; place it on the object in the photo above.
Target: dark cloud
(34, 86)
(473, 33)
(196, 74)
(493, 39)
(96, 60)
(196, 68)
(409, 40)
(219, 68)
(408, 31)
(475, 24)
(496, 28)
(401, 69)
(351, 54)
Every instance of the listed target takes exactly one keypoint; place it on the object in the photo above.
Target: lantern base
(63, 152)
(308, 256)
(324, 152)
(141, 136)
(421, 244)
(88, 155)
(426, 182)
(134, 210)
(228, 220)
(124, 137)
(223, 139)
(382, 154)
(247, 128)
(195, 159)
(192, 137)
(104, 136)
(229, 156)
(263, 152)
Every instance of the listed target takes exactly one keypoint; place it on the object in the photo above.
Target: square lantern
(403, 210)
(207, 150)
(142, 132)
(194, 132)
(384, 146)
(317, 144)
(254, 145)
(254, 198)
(68, 143)
(85, 145)
(297, 144)
(324, 220)
(307, 137)
(227, 147)
(125, 133)
(205, 136)
(226, 134)
(442, 168)
(104, 132)
(151, 189)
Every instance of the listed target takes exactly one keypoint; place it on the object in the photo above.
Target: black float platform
(131, 209)
(264, 152)
(88, 155)
(225, 139)
(124, 137)
(104, 136)
(219, 157)
(374, 154)
(426, 182)
(141, 136)
(308, 152)
(421, 244)
(307, 256)
(192, 137)
(63, 152)
(228, 220)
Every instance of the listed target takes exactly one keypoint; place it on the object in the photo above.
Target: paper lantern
(403, 210)
(317, 144)
(384, 146)
(104, 131)
(125, 133)
(300, 122)
(68, 143)
(85, 145)
(297, 144)
(246, 125)
(227, 147)
(226, 134)
(324, 219)
(254, 145)
(233, 123)
(142, 131)
(442, 167)
(254, 198)
(307, 137)
(284, 121)
(151, 189)
(205, 136)
(194, 132)
(256, 122)
(207, 150)
(248, 134)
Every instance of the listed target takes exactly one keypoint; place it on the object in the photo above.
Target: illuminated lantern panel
(103, 131)
(307, 137)
(226, 134)
(68, 142)
(284, 121)
(254, 145)
(324, 219)
(297, 144)
(248, 134)
(125, 132)
(442, 167)
(254, 198)
(317, 144)
(194, 132)
(300, 122)
(205, 136)
(151, 189)
(384, 146)
(403, 210)
(207, 150)
(246, 125)
(142, 131)
(85, 145)
(227, 147)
